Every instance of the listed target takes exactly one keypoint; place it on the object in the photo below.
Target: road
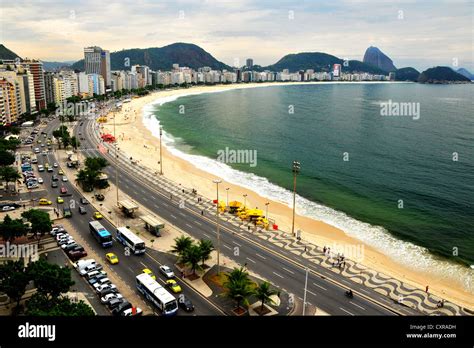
(129, 266)
(286, 271)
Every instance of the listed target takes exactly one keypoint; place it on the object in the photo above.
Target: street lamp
(217, 182)
(245, 201)
(266, 213)
(161, 159)
(296, 170)
(305, 290)
(116, 163)
(227, 189)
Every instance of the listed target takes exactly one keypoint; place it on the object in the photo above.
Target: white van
(90, 268)
(81, 264)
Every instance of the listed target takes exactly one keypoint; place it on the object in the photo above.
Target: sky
(421, 34)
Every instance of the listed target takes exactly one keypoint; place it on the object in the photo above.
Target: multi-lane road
(287, 271)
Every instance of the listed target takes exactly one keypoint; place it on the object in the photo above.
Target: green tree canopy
(263, 293)
(40, 221)
(40, 305)
(12, 228)
(50, 279)
(180, 245)
(191, 257)
(6, 158)
(13, 279)
(206, 247)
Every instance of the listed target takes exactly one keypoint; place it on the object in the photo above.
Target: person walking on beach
(427, 288)
(324, 249)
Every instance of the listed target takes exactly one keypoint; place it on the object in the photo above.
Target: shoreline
(130, 124)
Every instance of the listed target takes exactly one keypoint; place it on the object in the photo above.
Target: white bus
(130, 240)
(156, 294)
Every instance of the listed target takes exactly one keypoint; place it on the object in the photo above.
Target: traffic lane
(362, 309)
(183, 222)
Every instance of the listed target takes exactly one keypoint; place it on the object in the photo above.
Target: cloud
(411, 33)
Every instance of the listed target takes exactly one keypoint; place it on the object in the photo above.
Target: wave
(404, 252)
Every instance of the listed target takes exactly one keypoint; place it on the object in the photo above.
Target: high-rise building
(10, 102)
(36, 69)
(336, 70)
(249, 63)
(97, 61)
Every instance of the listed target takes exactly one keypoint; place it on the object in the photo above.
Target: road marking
(312, 293)
(346, 311)
(189, 225)
(146, 200)
(135, 192)
(143, 264)
(250, 260)
(357, 305)
(208, 236)
(174, 217)
(228, 247)
(278, 275)
(261, 256)
(166, 205)
(236, 243)
(319, 286)
(152, 197)
(182, 214)
(289, 271)
(345, 281)
(365, 291)
(198, 223)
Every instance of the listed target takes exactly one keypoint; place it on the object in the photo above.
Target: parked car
(103, 287)
(100, 282)
(84, 201)
(115, 303)
(90, 268)
(167, 272)
(131, 312)
(121, 308)
(94, 273)
(40, 181)
(106, 299)
(75, 255)
(7, 208)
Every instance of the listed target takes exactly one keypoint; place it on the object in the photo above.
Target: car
(46, 165)
(61, 235)
(175, 287)
(54, 184)
(82, 210)
(106, 299)
(185, 303)
(67, 247)
(55, 165)
(40, 168)
(115, 303)
(40, 181)
(89, 268)
(106, 292)
(60, 200)
(63, 190)
(44, 153)
(112, 258)
(95, 279)
(64, 178)
(101, 282)
(54, 177)
(97, 215)
(44, 201)
(167, 272)
(84, 201)
(121, 308)
(66, 241)
(103, 287)
(7, 208)
(43, 145)
(60, 172)
(56, 229)
(95, 273)
(75, 255)
(37, 150)
(149, 272)
(50, 170)
(34, 161)
(134, 311)
(67, 212)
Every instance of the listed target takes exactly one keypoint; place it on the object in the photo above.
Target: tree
(75, 143)
(50, 279)
(238, 286)
(181, 244)
(13, 280)
(39, 305)
(6, 158)
(96, 163)
(191, 257)
(9, 174)
(263, 293)
(11, 229)
(206, 247)
(40, 221)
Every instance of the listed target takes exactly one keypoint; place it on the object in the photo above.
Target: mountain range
(193, 56)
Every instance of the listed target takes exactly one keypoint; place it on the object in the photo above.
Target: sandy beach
(138, 142)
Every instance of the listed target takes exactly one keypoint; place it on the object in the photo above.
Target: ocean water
(402, 184)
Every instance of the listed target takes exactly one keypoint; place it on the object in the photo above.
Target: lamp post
(296, 170)
(266, 212)
(217, 182)
(305, 289)
(245, 201)
(161, 158)
(227, 189)
(116, 163)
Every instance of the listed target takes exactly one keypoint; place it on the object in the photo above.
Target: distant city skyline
(421, 35)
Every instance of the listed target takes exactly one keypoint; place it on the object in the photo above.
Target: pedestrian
(324, 249)
(427, 288)
(305, 248)
(245, 265)
(202, 212)
(278, 294)
(248, 227)
(171, 196)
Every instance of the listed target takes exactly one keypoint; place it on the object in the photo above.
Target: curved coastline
(400, 252)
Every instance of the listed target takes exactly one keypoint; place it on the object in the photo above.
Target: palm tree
(181, 244)
(238, 286)
(206, 247)
(263, 293)
(191, 257)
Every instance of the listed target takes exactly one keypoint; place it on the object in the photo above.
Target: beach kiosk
(128, 207)
(152, 224)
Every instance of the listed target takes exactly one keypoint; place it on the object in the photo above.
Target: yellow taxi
(60, 172)
(44, 201)
(173, 285)
(60, 200)
(97, 215)
(112, 258)
(150, 273)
